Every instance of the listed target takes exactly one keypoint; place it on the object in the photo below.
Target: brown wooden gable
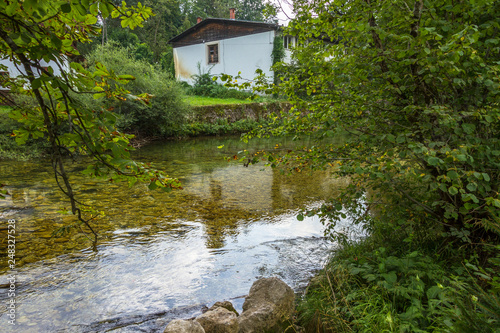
(211, 30)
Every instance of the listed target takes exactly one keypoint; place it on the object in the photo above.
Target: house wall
(240, 54)
(218, 29)
(16, 71)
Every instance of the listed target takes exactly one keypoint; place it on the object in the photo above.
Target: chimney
(198, 20)
(232, 15)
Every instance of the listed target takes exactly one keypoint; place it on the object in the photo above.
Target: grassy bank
(203, 101)
(406, 280)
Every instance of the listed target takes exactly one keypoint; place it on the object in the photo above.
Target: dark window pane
(213, 54)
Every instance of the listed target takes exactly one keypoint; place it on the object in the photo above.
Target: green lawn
(202, 100)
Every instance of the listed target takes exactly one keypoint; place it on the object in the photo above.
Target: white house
(225, 46)
(9, 69)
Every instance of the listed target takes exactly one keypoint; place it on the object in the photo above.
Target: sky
(285, 12)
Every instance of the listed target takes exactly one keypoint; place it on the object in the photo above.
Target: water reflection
(160, 252)
(219, 194)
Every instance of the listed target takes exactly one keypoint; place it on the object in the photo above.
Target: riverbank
(202, 120)
(405, 279)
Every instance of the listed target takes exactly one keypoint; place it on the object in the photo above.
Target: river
(160, 255)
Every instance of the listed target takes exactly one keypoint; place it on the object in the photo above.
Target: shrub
(167, 110)
(9, 149)
(366, 288)
(204, 85)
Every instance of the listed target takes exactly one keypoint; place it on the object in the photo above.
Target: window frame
(288, 42)
(217, 53)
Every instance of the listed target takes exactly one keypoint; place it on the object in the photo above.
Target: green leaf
(12, 7)
(55, 41)
(81, 10)
(469, 196)
(486, 177)
(36, 84)
(452, 174)
(126, 77)
(452, 190)
(433, 160)
(300, 217)
(472, 187)
(30, 5)
(21, 136)
(66, 8)
(434, 291)
(390, 277)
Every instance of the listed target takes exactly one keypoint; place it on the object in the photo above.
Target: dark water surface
(160, 255)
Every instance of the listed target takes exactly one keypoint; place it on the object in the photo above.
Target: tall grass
(374, 286)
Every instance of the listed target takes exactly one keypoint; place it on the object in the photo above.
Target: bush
(366, 288)
(167, 111)
(9, 149)
(204, 85)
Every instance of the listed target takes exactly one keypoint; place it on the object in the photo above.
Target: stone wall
(235, 112)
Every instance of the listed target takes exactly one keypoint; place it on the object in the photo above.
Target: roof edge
(206, 21)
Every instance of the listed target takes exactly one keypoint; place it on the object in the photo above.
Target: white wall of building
(240, 54)
(15, 71)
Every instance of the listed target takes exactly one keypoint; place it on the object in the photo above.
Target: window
(287, 42)
(213, 53)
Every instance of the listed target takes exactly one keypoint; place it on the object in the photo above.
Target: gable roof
(212, 29)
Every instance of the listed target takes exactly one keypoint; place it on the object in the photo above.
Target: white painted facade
(289, 42)
(242, 54)
(15, 71)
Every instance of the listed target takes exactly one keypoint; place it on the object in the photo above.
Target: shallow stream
(160, 255)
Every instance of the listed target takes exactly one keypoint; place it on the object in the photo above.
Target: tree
(32, 31)
(166, 110)
(251, 10)
(412, 88)
(164, 25)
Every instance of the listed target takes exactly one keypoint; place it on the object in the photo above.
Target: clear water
(160, 255)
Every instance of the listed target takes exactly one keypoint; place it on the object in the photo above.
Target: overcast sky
(285, 11)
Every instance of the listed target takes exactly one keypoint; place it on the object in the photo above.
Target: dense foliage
(33, 31)
(9, 149)
(413, 88)
(166, 110)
